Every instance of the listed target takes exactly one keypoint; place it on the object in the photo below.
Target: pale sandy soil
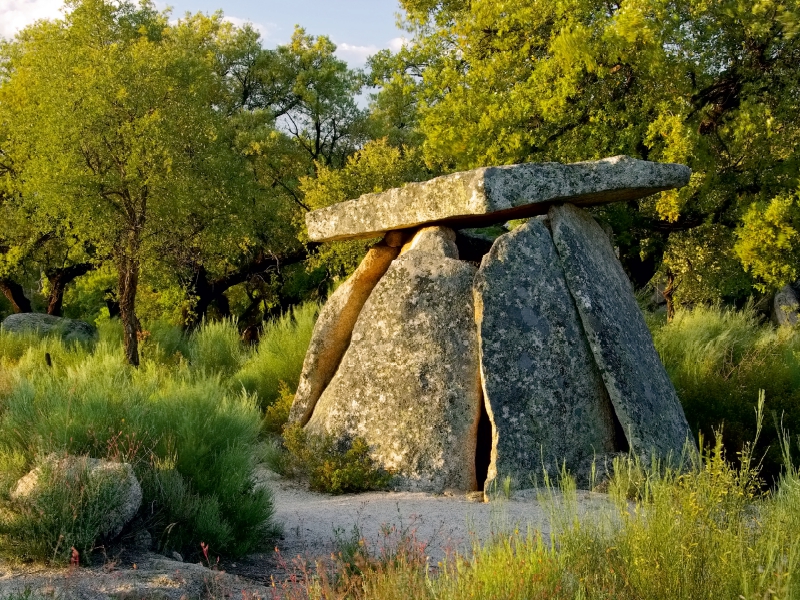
(314, 525)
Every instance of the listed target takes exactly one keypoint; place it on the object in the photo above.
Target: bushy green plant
(279, 357)
(63, 515)
(277, 414)
(190, 440)
(215, 348)
(718, 359)
(332, 465)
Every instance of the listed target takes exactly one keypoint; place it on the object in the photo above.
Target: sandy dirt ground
(314, 526)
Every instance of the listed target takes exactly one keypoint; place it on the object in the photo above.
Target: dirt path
(314, 525)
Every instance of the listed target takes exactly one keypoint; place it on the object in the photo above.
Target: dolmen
(464, 359)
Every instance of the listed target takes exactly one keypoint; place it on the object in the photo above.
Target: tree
(714, 85)
(113, 115)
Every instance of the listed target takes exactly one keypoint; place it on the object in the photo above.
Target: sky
(359, 28)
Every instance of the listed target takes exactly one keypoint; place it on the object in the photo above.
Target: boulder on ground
(332, 330)
(644, 400)
(544, 394)
(69, 468)
(786, 307)
(409, 383)
(69, 329)
(493, 195)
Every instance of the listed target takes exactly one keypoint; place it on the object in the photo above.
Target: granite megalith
(644, 399)
(786, 307)
(463, 353)
(544, 395)
(332, 330)
(408, 383)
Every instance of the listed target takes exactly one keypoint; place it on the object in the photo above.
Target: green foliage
(769, 241)
(191, 442)
(279, 357)
(277, 414)
(67, 510)
(709, 84)
(215, 348)
(331, 465)
(718, 360)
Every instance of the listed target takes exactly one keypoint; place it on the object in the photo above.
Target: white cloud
(265, 30)
(16, 14)
(356, 56)
(396, 44)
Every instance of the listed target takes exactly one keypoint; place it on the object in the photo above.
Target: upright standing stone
(332, 330)
(436, 240)
(544, 394)
(409, 383)
(786, 307)
(644, 399)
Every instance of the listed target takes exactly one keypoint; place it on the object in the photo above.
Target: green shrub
(173, 424)
(65, 511)
(280, 354)
(277, 414)
(215, 348)
(332, 465)
(719, 359)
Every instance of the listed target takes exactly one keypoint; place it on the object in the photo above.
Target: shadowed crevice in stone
(483, 448)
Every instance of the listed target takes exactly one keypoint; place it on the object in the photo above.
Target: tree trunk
(667, 293)
(16, 295)
(127, 283)
(59, 279)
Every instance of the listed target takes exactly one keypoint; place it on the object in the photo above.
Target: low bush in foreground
(704, 532)
(331, 465)
(190, 439)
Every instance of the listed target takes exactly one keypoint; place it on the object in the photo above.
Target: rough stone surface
(409, 382)
(436, 240)
(643, 397)
(786, 307)
(544, 394)
(71, 468)
(493, 195)
(333, 328)
(69, 329)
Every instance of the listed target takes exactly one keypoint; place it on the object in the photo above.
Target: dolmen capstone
(464, 360)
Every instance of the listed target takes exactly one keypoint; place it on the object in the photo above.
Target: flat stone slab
(494, 194)
(409, 383)
(545, 397)
(644, 399)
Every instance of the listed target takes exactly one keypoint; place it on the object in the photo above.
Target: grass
(704, 531)
(183, 420)
(718, 359)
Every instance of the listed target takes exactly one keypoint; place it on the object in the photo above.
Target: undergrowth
(704, 531)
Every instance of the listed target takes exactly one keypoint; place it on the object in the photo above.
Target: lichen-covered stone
(436, 240)
(544, 394)
(409, 383)
(68, 329)
(643, 397)
(786, 307)
(332, 330)
(493, 195)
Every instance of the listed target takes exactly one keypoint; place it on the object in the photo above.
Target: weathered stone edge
(493, 194)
